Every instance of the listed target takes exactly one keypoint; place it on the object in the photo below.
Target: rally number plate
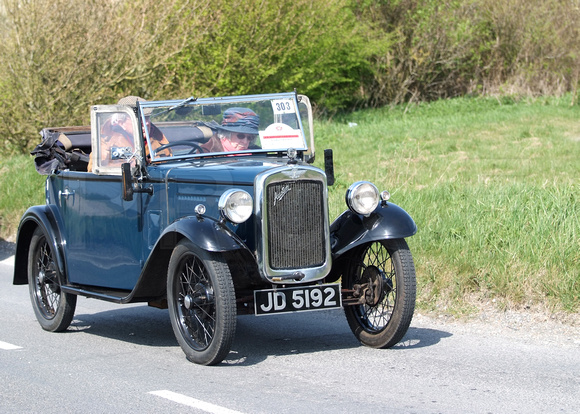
(297, 299)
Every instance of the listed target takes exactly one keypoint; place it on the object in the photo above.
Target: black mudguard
(388, 221)
(207, 234)
(350, 230)
(37, 216)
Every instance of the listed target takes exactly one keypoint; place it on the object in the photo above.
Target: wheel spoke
(197, 313)
(377, 317)
(206, 330)
(47, 287)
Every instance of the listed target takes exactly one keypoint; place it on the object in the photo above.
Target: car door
(102, 232)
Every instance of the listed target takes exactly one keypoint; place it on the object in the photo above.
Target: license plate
(297, 299)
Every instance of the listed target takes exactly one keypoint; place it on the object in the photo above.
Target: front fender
(388, 221)
(205, 233)
(37, 216)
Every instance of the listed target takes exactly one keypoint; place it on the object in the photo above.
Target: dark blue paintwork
(103, 240)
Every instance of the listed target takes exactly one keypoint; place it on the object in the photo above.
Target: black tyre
(382, 274)
(54, 309)
(202, 303)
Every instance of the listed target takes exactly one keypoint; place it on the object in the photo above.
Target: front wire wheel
(202, 305)
(53, 308)
(382, 276)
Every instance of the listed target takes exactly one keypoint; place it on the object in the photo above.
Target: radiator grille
(296, 220)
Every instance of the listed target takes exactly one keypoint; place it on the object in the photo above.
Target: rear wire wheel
(53, 308)
(202, 305)
(382, 273)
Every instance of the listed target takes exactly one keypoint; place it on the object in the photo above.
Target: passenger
(156, 136)
(117, 132)
(238, 132)
(116, 136)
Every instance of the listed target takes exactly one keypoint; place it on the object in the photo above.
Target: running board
(120, 297)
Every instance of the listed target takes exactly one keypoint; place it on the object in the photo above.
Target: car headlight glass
(362, 197)
(236, 205)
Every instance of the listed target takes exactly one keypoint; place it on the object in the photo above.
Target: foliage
(263, 46)
(455, 47)
(61, 56)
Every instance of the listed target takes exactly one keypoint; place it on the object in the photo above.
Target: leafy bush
(449, 48)
(537, 45)
(61, 56)
(261, 46)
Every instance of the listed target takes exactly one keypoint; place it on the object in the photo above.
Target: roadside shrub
(262, 46)
(449, 48)
(434, 53)
(60, 56)
(536, 48)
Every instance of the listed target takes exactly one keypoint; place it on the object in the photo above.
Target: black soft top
(64, 148)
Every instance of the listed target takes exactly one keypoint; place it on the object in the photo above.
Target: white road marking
(8, 347)
(192, 402)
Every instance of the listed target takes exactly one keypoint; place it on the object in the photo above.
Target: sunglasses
(249, 137)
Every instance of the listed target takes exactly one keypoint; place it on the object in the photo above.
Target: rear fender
(388, 221)
(48, 220)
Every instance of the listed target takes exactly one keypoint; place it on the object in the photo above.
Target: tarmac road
(124, 358)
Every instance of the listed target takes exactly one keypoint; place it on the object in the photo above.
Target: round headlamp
(236, 205)
(362, 197)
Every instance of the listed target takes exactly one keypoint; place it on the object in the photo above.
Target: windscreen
(222, 127)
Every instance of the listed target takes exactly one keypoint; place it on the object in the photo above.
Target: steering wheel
(195, 146)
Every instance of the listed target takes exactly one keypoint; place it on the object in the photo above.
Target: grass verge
(20, 187)
(491, 183)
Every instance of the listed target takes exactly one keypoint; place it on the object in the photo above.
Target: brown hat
(132, 101)
(242, 120)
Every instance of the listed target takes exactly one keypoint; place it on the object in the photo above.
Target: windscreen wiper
(182, 103)
(174, 107)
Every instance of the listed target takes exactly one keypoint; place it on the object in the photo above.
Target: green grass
(20, 187)
(493, 186)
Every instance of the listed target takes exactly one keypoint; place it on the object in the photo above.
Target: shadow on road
(257, 338)
(421, 337)
(7, 249)
(279, 335)
(139, 325)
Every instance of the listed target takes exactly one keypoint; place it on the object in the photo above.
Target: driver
(238, 132)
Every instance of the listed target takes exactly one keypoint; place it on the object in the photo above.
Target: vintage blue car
(210, 207)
